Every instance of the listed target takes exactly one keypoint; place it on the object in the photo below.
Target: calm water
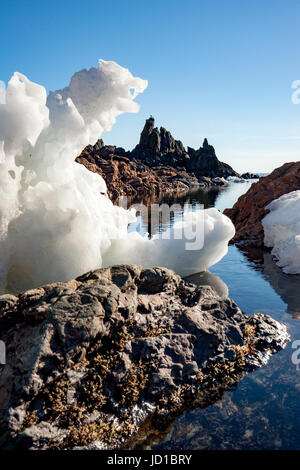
(263, 411)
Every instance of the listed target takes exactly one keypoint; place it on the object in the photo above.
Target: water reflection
(219, 197)
(152, 223)
(229, 195)
(207, 197)
(263, 411)
(250, 280)
(206, 278)
(287, 286)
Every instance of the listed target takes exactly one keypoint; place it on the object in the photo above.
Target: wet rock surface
(248, 212)
(92, 361)
(159, 164)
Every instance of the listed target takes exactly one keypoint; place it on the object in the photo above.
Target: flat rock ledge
(102, 361)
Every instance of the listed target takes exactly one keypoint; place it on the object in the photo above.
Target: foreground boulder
(250, 209)
(90, 361)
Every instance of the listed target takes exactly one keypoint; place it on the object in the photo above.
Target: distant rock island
(158, 147)
(159, 164)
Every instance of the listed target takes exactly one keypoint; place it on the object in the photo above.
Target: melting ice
(56, 221)
(282, 231)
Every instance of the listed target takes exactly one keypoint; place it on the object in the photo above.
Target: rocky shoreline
(105, 360)
(158, 165)
(248, 212)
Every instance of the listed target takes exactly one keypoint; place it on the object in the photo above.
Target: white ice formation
(54, 222)
(282, 231)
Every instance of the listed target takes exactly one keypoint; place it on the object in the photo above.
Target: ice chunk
(282, 231)
(190, 246)
(56, 220)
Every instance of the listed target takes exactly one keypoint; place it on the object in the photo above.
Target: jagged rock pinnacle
(205, 143)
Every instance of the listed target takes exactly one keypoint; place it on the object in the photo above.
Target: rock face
(204, 162)
(249, 210)
(250, 176)
(158, 164)
(158, 147)
(125, 177)
(91, 360)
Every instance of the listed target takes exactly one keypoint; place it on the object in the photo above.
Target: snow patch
(282, 231)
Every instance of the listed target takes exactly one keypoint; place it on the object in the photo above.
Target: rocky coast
(107, 359)
(248, 212)
(158, 165)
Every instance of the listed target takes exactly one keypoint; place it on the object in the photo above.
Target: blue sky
(220, 69)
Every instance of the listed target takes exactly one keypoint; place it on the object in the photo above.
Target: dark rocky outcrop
(250, 176)
(92, 360)
(158, 147)
(127, 177)
(159, 164)
(204, 162)
(250, 209)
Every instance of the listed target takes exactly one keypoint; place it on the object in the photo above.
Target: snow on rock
(235, 179)
(282, 231)
(56, 220)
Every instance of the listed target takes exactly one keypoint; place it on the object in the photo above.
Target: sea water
(263, 411)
